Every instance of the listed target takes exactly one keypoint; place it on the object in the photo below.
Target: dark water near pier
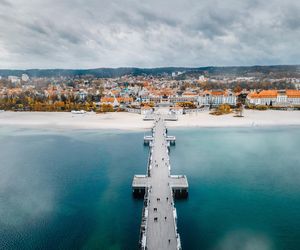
(72, 190)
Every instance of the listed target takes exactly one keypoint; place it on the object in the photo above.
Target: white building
(146, 110)
(275, 97)
(178, 73)
(14, 79)
(297, 86)
(82, 94)
(217, 97)
(116, 103)
(202, 78)
(25, 78)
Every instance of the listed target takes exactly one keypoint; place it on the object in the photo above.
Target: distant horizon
(158, 67)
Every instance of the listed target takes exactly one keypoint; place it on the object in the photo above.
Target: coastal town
(149, 125)
(142, 93)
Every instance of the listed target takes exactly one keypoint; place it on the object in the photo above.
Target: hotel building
(280, 98)
(217, 97)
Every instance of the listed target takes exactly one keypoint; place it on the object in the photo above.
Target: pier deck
(166, 117)
(159, 222)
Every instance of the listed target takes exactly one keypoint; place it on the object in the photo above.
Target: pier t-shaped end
(178, 184)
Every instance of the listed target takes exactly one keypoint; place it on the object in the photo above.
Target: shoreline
(134, 122)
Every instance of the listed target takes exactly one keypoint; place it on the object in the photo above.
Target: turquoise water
(72, 190)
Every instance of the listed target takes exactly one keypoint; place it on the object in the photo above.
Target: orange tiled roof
(264, 94)
(119, 99)
(166, 91)
(206, 92)
(273, 94)
(107, 99)
(217, 93)
(253, 95)
(146, 107)
(268, 94)
(125, 99)
(291, 93)
(115, 92)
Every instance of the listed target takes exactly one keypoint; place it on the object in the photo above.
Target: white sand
(67, 120)
(251, 118)
(128, 121)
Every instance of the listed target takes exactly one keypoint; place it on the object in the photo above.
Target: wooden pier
(158, 188)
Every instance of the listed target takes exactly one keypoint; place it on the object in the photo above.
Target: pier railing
(144, 223)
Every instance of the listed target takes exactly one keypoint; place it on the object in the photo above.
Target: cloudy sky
(148, 33)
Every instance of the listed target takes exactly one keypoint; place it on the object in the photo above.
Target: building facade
(280, 98)
(217, 97)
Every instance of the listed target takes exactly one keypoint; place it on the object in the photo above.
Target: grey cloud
(5, 3)
(68, 34)
(290, 17)
(151, 18)
(38, 28)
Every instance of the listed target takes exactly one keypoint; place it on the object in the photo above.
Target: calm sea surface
(72, 190)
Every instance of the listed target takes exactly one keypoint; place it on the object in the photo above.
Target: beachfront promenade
(159, 188)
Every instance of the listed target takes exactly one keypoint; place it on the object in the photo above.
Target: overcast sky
(148, 33)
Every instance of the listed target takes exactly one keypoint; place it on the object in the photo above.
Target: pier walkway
(159, 188)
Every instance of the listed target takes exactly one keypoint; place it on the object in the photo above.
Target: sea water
(72, 189)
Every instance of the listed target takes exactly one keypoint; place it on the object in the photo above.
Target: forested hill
(284, 71)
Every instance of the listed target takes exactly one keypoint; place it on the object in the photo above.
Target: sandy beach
(129, 121)
(252, 118)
